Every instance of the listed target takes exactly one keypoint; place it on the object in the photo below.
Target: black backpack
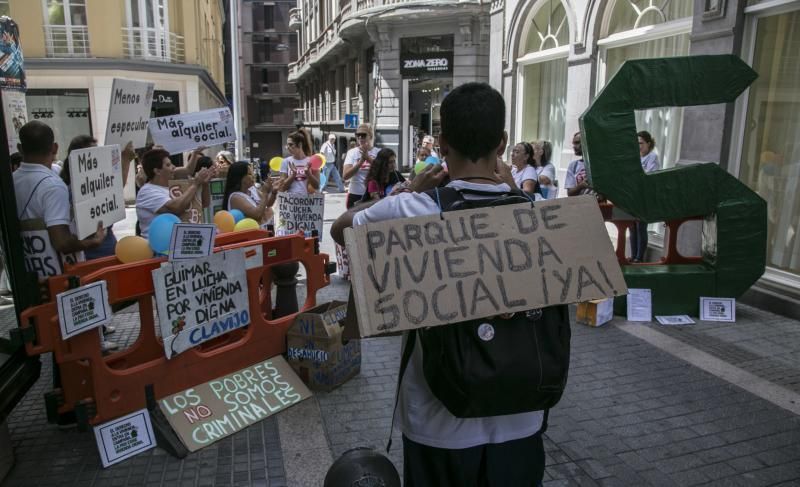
(500, 365)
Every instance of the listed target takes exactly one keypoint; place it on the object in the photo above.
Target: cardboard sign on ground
(96, 184)
(181, 133)
(316, 350)
(194, 214)
(129, 112)
(213, 410)
(201, 299)
(300, 213)
(463, 265)
(124, 437)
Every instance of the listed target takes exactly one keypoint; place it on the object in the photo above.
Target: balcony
(63, 41)
(295, 20)
(152, 45)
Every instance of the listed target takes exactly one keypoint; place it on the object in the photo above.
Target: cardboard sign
(640, 305)
(129, 112)
(596, 312)
(124, 437)
(300, 213)
(194, 214)
(718, 309)
(83, 308)
(463, 265)
(96, 184)
(190, 241)
(213, 410)
(181, 133)
(201, 299)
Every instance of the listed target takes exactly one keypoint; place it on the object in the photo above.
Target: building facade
(75, 48)
(269, 102)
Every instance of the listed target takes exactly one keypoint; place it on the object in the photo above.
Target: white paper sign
(191, 240)
(718, 309)
(124, 437)
(201, 299)
(129, 112)
(675, 320)
(300, 213)
(16, 115)
(640, 305)
(181, 133)
(96, 183)
(83, 308)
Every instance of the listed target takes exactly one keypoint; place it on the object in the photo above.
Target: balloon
(224, 221)
(275, 163)
(432, 160)
(324, 159)
(419, 167)
(160, 232)
(237, 215)
(132, 249)
(246, 224)
(316, 162)
(323, 181)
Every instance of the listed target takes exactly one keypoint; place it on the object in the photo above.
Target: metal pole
(237, 102)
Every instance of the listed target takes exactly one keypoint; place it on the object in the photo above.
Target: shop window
(65, 111)
(770, 151)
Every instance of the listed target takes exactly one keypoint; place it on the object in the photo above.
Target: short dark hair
(78, 142)
(15, 160)
(152, 160)
(36, 139)
(647, 138)
(473, 116)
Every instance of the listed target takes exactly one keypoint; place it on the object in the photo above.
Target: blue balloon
(160, 232)
(323, 180)
(237, 215)
(432, 160)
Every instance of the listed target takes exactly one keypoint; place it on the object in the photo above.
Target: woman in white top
(298, 177)
(357, 163)
(650, 163)
(522, 169)
(542, 152)
(237, 194)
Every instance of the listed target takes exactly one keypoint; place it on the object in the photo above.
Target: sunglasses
(361, 135)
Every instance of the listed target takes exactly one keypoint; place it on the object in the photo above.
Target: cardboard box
(316, 350)
(596, 312)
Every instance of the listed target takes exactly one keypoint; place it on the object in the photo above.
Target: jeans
(330, 171)
(638, 241)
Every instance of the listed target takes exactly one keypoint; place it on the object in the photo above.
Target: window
(769, 127)
(4, 8)
(542, 75)
(265, 111)
(65, 111)
(269, 16)
(66, 34)
(147, 33)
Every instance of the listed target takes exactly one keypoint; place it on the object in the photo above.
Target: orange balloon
(132, 249)
(224, 221)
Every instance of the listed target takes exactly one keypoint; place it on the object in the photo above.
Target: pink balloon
(315, 162)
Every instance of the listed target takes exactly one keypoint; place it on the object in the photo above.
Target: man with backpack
(443, 442)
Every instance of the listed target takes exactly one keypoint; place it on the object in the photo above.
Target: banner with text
(96, 184)
(300, 213)
(129, 112)
(464, 265)
(181, 133)
(211, 411)
(201, 299)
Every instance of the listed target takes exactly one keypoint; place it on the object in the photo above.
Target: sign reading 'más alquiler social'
(181, 133)
(96, 184)
(470, 264)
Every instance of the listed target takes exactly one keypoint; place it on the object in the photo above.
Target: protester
(542, 154)
(427, 142)
(297, 175)
(650, 163)
(357, 163)
(331, 172)
(522, 170)
(380, 174)
(153, 198)
(439, 448)
(422, 154)
(224, 160)
(576, 181)
(238, 183)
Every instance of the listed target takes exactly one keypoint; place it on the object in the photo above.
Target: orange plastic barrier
(113, 385)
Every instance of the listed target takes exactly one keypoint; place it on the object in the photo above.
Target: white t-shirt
(300, 178)
(548, 171)
(527, 173)
(149, 200)
(422, 417)
(358, 181)
(650, 162)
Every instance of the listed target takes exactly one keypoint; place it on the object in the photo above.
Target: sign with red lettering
(213, 410)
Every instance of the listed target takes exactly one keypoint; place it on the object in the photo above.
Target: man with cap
(328, 150)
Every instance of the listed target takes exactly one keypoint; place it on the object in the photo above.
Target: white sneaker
(108, 329)
(108, 346)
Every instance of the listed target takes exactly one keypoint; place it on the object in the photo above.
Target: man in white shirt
(439, 448)
(153, 198)
(328, 150)
(427, 142)
(576, 181)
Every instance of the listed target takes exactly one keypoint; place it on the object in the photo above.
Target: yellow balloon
(132, 249)
(224, 221)
(246, 224)
(324, 161)
(275, 163)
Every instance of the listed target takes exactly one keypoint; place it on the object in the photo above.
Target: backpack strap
(408, 349)
(19, 216)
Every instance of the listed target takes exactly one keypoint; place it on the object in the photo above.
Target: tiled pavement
(633, 414)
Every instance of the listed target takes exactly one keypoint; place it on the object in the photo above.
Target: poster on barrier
(129, 112)
(96, 184)
(124, 437)
(300, 213)
(200, 299)
(83, 308)
(181, 133)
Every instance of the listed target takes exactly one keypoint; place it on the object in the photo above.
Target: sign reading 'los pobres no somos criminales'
(470, 264)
